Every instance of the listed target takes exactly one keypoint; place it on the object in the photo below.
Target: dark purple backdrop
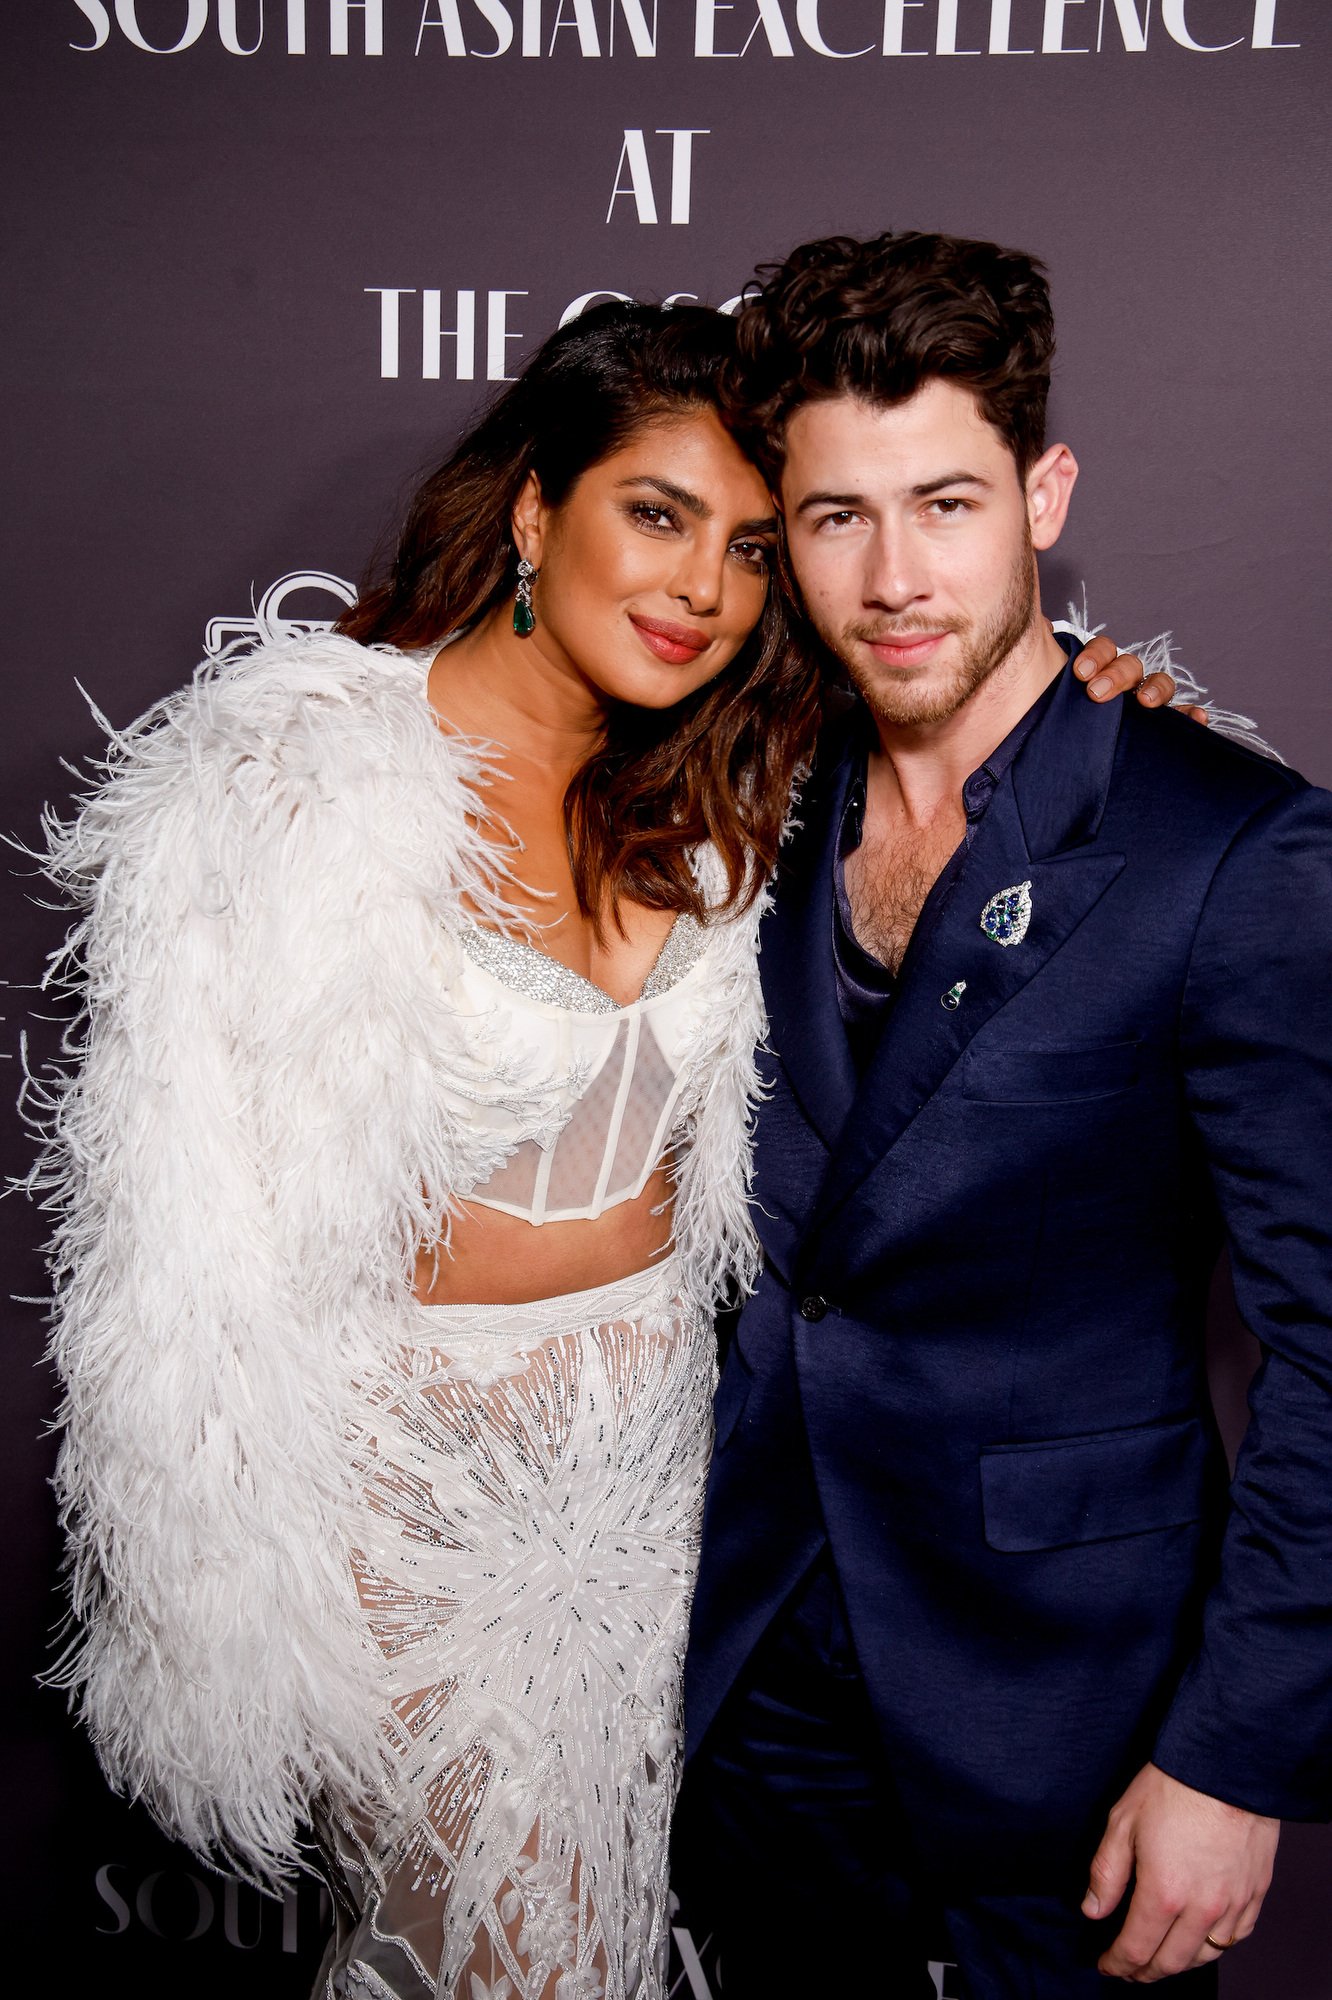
(208, 251)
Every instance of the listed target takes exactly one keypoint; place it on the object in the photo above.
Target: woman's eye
(656, 519)
(754, 555)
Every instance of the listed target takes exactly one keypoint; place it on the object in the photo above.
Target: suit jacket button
(813, 1307)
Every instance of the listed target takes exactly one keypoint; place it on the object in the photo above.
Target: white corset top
(608, 1076)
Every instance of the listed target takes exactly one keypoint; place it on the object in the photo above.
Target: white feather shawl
(239, 1161)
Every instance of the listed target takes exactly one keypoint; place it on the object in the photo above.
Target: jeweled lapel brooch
(1006, 916)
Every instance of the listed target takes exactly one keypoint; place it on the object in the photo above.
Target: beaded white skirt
(534, 1480)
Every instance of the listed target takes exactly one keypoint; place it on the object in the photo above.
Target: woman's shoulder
(295, 747)
(304, 692)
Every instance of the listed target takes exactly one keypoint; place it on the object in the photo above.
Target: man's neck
(926, 765)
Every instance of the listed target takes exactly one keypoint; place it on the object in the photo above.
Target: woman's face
(654, 569)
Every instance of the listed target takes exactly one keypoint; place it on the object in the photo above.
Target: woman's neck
(524, 695)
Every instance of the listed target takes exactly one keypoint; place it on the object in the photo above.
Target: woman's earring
(524, 618)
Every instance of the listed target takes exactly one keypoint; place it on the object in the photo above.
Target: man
(981, 1649)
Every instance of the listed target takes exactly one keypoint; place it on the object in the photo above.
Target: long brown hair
(717, 766)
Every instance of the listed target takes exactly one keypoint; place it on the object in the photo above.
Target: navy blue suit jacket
(974, 1364)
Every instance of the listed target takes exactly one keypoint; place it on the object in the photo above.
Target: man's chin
(906, 700)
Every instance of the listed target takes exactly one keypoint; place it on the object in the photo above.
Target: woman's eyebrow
(693, 503)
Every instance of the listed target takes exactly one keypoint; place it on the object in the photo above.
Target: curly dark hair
(880, 318)
(718, 765)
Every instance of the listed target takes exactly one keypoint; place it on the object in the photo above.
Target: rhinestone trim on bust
(680, 954)
(524, 969)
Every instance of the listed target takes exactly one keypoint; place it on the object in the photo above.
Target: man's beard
(896, 697)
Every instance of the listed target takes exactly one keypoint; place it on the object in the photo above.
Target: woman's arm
(213, 1647)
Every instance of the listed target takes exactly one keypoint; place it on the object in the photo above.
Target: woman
(406, 1158)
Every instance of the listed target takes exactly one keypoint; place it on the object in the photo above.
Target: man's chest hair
(888, 878)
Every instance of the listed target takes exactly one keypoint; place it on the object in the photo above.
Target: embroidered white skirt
(534, 1482)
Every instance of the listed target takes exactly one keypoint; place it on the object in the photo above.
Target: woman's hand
(1111, 673)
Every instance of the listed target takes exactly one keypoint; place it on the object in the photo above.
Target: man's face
(910, 533)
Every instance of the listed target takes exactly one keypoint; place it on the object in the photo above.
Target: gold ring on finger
(1220, 1944)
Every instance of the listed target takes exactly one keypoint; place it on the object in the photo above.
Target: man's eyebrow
(930, 486)
(830, 500)
(692, 503)
(926, 488)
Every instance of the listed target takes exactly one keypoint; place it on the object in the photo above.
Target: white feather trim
(714, 1229)
(250, 1144)
(1158, 656)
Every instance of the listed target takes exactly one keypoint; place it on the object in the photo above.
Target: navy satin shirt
(865, 985)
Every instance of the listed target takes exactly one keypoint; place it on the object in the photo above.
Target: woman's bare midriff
(498, 1259)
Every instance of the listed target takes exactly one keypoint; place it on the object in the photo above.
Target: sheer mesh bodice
(616, 1072)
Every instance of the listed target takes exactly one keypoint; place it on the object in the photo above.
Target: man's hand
(1117, 673)
(1200, 1865)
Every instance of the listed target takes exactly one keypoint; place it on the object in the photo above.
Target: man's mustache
(880, 634)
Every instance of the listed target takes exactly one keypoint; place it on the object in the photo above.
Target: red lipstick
(677, 644)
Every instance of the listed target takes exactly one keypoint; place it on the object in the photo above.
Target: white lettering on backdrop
(639, 190)
(450, 352)
(721, 30)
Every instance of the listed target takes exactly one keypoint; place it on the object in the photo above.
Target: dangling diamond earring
(524, 618)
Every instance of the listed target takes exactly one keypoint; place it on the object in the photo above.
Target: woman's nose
(698, 578)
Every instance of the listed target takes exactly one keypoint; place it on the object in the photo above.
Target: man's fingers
(1185, 1944)
(1097, 653)
(1111, 1866)
(1121, 674)
(1157, 691)
(1242, 1926)
(1150, 1917)
(1195, 712)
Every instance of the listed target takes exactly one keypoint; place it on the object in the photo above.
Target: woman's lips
(908, 651)
(677, 644)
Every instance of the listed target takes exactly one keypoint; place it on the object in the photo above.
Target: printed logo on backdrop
(180, 1907)
(706, 30)
(267, 622)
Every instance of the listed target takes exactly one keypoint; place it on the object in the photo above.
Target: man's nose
(895, 572)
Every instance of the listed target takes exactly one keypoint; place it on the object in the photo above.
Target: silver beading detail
(535, 974)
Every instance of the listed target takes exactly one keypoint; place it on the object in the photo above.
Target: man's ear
(529, 520)
(1049, 488)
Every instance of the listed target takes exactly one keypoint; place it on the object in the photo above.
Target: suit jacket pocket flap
(1049, 1076)
(1092, 1489)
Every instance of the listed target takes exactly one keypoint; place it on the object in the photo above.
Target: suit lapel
(796, 961)
(1039, 829)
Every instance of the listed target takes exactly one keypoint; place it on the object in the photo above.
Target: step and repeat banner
(267, 256)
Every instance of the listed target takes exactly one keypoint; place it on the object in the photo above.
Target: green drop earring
(524, 618)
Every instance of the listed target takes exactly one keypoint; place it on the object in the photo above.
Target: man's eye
(841, 519)
(948, 507)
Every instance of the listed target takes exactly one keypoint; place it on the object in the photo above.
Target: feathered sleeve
(714, 1229)
(215, 1651)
